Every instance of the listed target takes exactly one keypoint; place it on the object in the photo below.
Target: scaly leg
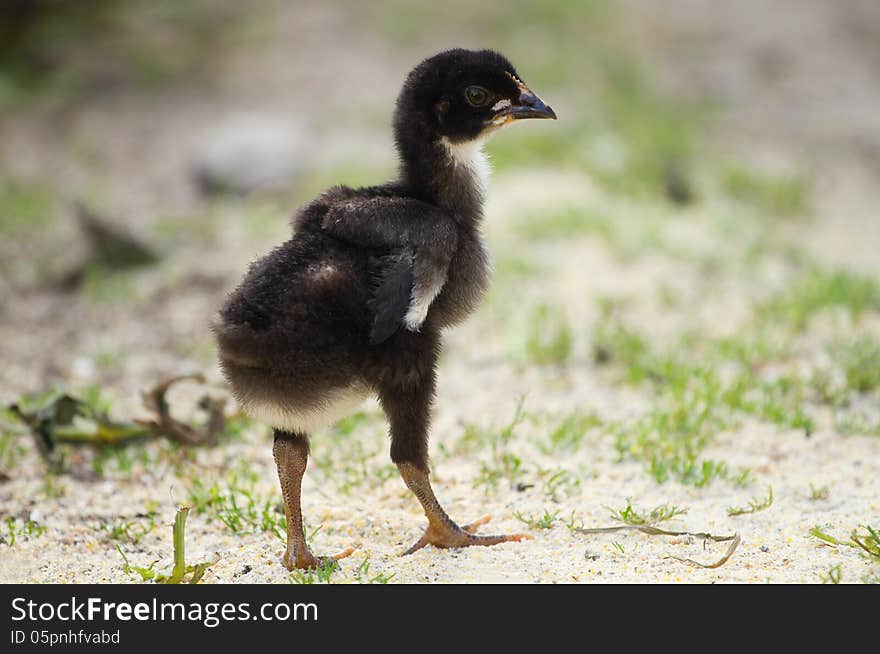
(442, 531)
(406, 398)
(291, 452)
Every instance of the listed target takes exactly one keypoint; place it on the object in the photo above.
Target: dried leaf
(63, 418)
(730, 550)
(167, 425)
(656, 531)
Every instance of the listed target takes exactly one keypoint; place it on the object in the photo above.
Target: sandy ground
(59, 339)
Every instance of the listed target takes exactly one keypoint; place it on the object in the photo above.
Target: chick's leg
(291, 452)
(408, 407)
(442, 531)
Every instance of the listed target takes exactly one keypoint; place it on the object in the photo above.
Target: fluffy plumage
(354, 303)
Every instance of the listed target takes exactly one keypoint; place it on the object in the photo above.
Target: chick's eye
(476, 96)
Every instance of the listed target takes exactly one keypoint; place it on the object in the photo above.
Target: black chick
(353, 305)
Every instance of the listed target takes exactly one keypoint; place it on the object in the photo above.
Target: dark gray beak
(528, 105)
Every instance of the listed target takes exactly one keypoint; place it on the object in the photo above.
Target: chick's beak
(528, 105)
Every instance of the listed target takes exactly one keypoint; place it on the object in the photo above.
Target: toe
(476, 524)
(419, 544)
(344, 554)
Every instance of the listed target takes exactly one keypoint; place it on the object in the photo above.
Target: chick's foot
(447, 534)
